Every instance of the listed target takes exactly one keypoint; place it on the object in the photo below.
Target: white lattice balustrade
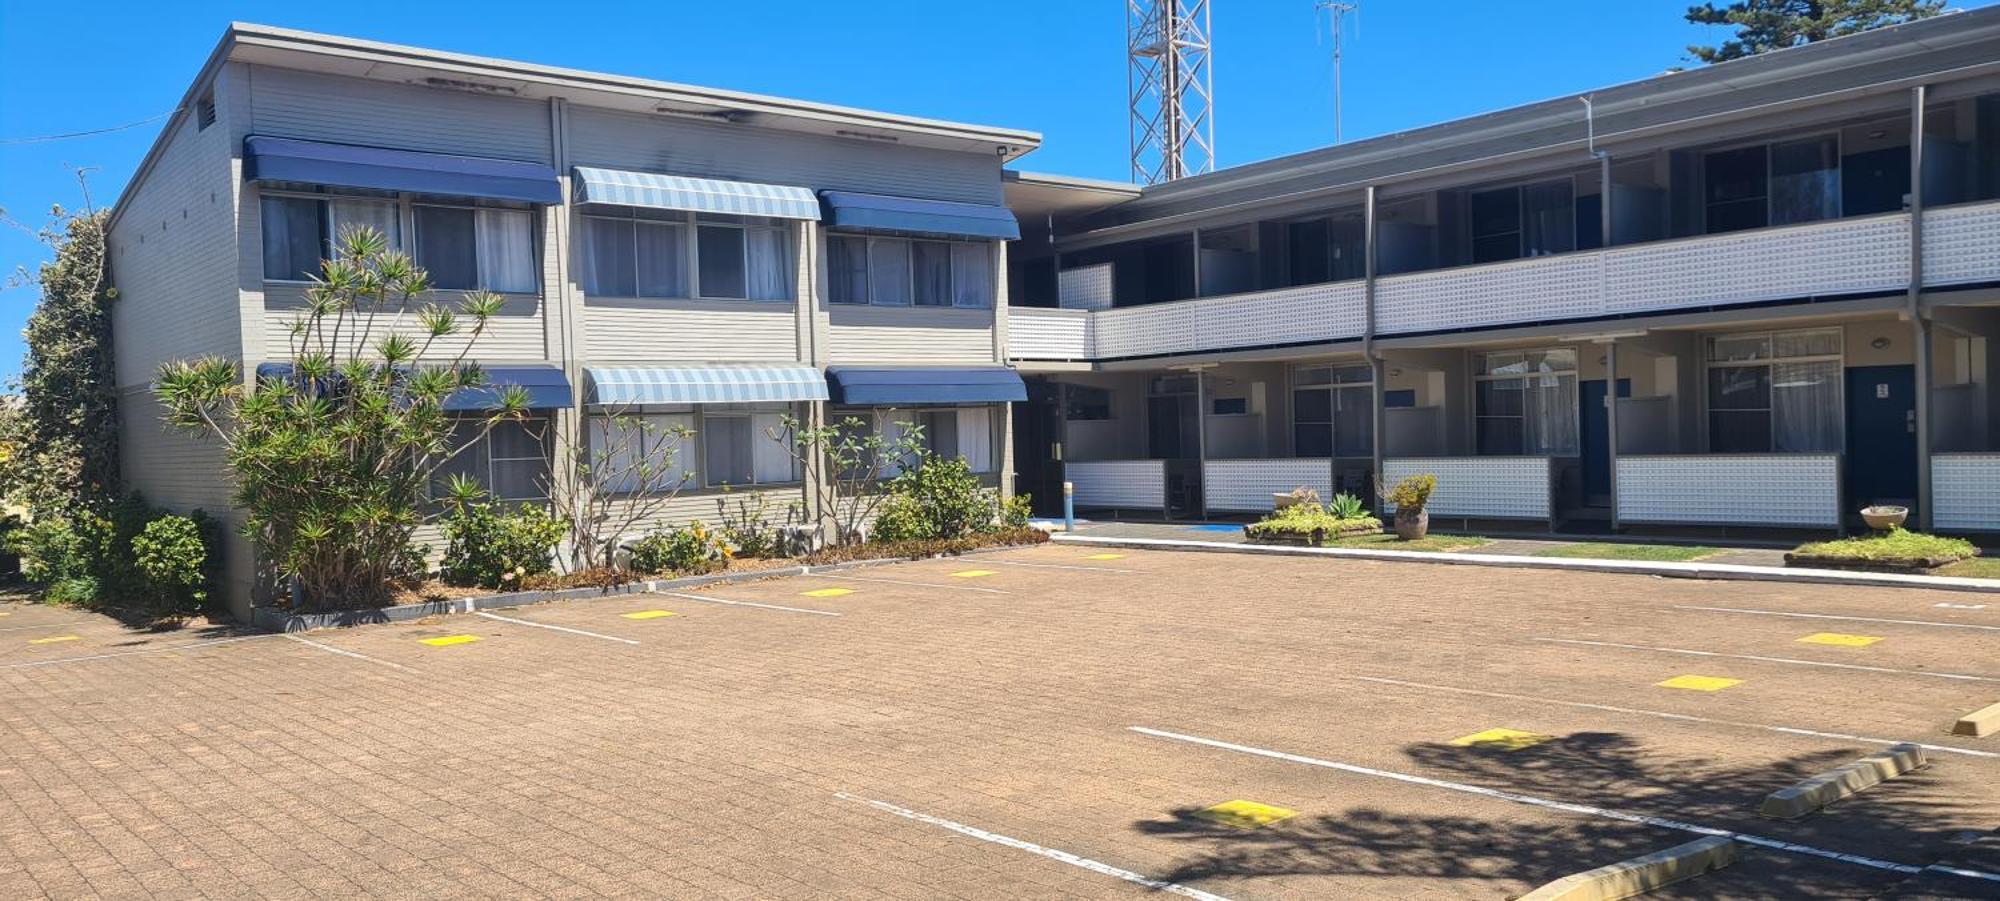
(1731, 489)
(1965, 492)
(1118, 484)
(1246, 486)
(1478, 487)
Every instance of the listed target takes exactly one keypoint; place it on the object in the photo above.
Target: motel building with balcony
(1759, 295)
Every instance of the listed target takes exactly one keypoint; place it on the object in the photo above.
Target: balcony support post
(1611, 421)
(1378, 374)
(1921, 326)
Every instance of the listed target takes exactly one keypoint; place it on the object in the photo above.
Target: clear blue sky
(1054, 66)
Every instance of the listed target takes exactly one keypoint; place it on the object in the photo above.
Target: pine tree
(1766, 25)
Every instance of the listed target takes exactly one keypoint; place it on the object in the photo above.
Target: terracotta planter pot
(1412, 526)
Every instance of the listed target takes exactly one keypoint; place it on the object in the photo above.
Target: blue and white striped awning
(721, 384)
(618, 187)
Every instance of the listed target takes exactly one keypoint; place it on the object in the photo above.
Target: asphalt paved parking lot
(1062, 721)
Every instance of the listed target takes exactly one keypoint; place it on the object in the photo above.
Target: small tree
(624, 470)
(856, 456)
(333, 461)
(1766, 25)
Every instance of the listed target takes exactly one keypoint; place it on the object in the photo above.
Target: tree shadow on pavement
(1438, 834)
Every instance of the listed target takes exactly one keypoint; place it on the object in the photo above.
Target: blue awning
(723, 384)
(267, 158)
(547, 387)
(902, 386)
(702, 195)
(911, 216)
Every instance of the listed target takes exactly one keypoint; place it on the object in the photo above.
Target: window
(730, 257)
(1525, 403)
(467, 248)
(204, 112)
(1332, 411)
(1229, 406)
(623, 446)
(1777, 391)
(720, 267)
(511, 461)
(738, 449)
(1086, 404)
(1525, 221)
(902, 272)
(955, 432)
(1735, 189)
(299, 231)
(1781, 183)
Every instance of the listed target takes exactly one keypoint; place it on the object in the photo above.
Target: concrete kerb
(1979, 723)
(272, 619)
(1641, 874)
(1690, 570)
(1819, 791)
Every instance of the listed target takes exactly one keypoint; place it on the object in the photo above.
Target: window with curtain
(889, 271)
(511, 460)
(738, 450)
(972, 276)
(352, 213)
(847, 269)
(732, 257)
(625, 445)
(295, 237)
(1775, 392)
(768, 262)
(931, 263)
(466, 248)
(719, 262)
(1332, 411)
(1526, 403)
(902, 272)
(1548, 218)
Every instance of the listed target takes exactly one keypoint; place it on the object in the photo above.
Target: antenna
(1167, 80)
(1336, 10)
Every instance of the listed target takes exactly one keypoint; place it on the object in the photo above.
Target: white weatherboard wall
(910, 334)
(320, 107)
(1965, 492)
(1121, 484)
(1246, 486)
(1479, 487)
(1731, 489)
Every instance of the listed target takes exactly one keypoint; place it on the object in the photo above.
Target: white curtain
(607, 257)
(933, 269)
(616, 452)
(975, 437)
(661, 266)
(771, 460)
(889, 271)
(1805, 407)
(506, 250)
(972, 275)
(770, 263)
(1550, 412)
(380, 215)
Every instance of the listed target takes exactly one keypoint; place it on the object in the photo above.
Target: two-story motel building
(1736, 249)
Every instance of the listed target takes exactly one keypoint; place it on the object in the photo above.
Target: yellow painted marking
(1245, 814)
(52, 639)
(974, 574)
(648, 614)
(1105, 557)
(827, 592)
(1700, 683)
(1501, 739)
(449, 640)
(1840, 641)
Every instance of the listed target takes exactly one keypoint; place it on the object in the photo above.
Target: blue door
(1881, 436)
(1593, 424)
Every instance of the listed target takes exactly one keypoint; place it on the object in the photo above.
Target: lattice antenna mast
(1336, 11)
(1168, 83)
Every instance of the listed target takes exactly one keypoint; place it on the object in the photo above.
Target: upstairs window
(1523, 221)
(905, 272)
(476, 248)
(299, 231)
(683, 256)
(1781, 183)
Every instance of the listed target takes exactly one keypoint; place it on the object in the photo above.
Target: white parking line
(1841, 736)
(1963, 677)
(1172, 888)
(1088, 569)
(1565, 806)
(1852, 619)
(346, 653)
(848, 578)
(523, 622)
(1951, 606)
(709, 600)
(135, 653)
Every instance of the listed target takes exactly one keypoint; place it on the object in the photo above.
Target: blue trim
(267, 158)
(617, 187)
(899, 386)
(547, 387)
(912, 216)
(624, 385)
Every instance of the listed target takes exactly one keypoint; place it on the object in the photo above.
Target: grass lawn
(1608, 550)
(1896, 546)
(1387, 541)
(1975, 568)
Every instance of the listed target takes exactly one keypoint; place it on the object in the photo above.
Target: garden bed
(1895, 551)
(1313, 538)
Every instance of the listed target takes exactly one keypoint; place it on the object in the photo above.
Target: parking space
(1059, 721)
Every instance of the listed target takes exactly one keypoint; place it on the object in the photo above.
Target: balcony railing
(1863, 255)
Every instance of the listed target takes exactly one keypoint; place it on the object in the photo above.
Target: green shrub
(1016, 511)
(81, 591)
(1896, 546)
(947, 495)
(1411, 494)
(693, 548)
(171, 556)
(490, 546)
(52, 550)
(1347, 506)
(746, 523)
(1309, 521)
(901, 518)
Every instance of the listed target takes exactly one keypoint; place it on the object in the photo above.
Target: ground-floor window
(1524, 402)
(691, 448)
(1333, 411)
(1775, 391)
(947, 432)
(511, 461)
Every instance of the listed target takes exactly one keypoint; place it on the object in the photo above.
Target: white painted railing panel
(1084, 287)
(1731, 489)
(1479, 487)
(1960, 244)
(1846, 256)
(1246, 486)
(1537, 290)
(1039, 333)
(1965, 492)
(1123, 484)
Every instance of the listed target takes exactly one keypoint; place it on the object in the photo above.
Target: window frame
(1768, 144)
(693, 455)
(1574, 372)
(484, 447)
(405, 240)
(950, 249)
(1302, 378)
(748, 413)
(874, 416)
(691, 223)
(1768, 362)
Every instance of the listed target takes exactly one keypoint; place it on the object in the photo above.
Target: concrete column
(1611, 420)
(1916, 313)
(1378, 420)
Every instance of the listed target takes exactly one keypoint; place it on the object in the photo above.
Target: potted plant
(1883, 517)
(1410, 495)
(1299, 495)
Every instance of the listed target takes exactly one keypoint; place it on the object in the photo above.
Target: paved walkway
(1507, 544)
